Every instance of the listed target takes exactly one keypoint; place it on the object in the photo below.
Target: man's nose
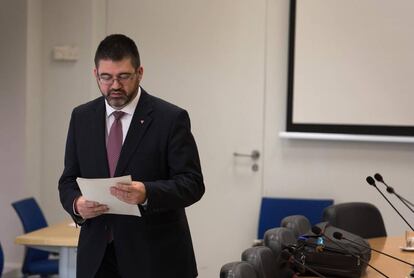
(116, 84)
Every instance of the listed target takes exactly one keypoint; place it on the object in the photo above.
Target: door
(208, 57)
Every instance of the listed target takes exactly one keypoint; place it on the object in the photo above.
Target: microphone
(340, 236)
(391, 190)
(318, 231)
(292, 248)
(371, 181)
(286, 255)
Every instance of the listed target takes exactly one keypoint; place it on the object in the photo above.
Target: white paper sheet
(98, 190)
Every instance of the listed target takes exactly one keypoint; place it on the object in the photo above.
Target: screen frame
(391, 130)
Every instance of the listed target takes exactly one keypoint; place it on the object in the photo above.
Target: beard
(119, 98)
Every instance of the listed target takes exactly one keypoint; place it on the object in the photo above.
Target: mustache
(117, 91)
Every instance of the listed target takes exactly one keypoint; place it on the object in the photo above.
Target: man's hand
(89, 209)
(133, 193)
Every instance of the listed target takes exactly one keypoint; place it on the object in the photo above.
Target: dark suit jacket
(158, 150)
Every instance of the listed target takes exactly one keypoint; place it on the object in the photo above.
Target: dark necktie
(114, 144)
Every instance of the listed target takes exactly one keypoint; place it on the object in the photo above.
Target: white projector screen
(351, 67)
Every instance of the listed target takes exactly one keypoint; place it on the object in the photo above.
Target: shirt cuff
(74, 209)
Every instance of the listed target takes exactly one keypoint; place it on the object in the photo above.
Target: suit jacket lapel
(99, 139)
(139, 124)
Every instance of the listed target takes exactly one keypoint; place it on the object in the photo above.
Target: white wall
(311, 169)
(34, 86)
(323, 169)
(12, 114)
(38, 95)
(66, 84)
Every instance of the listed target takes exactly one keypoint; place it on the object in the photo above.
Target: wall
(66, 84)
(12, 112)
(324, 169)
(38, 95)
(33, 107)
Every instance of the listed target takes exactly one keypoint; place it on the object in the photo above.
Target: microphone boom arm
(376, 187)
(392, 257)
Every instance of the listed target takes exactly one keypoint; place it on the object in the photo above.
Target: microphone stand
(371, 181)
(391, 190)
(407, 203)
(357, 243)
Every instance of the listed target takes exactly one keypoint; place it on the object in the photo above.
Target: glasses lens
(124, 76)
(106, 79)
(109, 80)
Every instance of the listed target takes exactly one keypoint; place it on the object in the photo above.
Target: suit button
(106, 227)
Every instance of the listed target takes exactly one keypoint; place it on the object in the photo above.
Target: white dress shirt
(125, 120)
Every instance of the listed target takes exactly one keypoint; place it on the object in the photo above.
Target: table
(62, 238)
(392, 268)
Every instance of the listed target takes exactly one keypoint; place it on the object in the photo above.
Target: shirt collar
(129, 109)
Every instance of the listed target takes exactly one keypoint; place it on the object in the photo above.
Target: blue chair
(273, 210)
(36, 262)
(1, 260)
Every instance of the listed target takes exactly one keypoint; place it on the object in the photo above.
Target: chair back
(277, 238)
(263, 261)
(299, 224)
(237, 270)
(30, 214)
(273, 210)
(32, 219)
(1, 260)
(363, 219)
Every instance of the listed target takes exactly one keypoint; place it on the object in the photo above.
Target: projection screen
(351, 67)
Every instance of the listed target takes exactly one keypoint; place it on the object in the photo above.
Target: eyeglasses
(123, 78)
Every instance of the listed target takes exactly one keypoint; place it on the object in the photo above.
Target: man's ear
(140, 73)
(95, 72)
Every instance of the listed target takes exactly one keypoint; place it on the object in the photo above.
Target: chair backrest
(237, 270)
(273, 210)
(363, 219)
(1, 260)
(277, 238)
(299, 224)
(30, 214)
(263, 261)
(32, 219)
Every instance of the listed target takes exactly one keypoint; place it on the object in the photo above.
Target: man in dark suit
(156, 147)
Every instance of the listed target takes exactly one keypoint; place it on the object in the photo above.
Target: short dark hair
(117, 47)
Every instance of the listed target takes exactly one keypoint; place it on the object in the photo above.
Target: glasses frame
(121, 79)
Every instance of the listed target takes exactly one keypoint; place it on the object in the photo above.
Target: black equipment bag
(328, 258)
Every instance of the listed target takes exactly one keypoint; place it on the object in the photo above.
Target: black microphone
(318, 231)
(292, 248)
(371, 181)
(391, 190)
(286, 255)
(340, 236)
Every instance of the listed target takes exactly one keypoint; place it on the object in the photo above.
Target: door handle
(254, 155)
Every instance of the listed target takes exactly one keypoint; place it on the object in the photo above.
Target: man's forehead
(111, 65)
